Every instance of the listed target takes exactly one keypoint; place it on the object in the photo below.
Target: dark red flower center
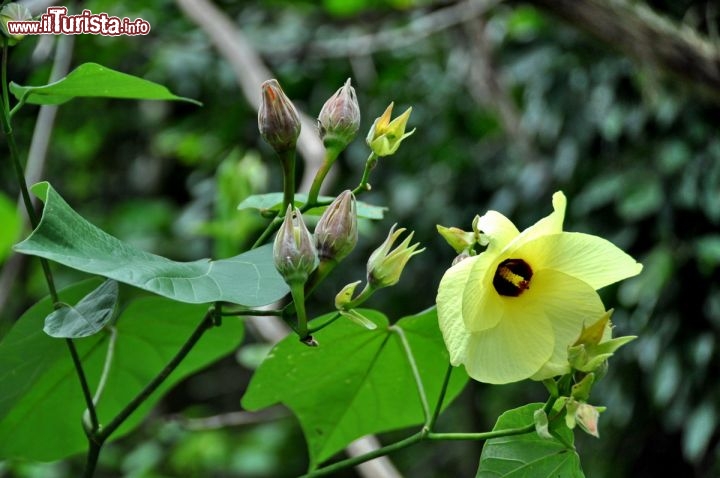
(512, 277)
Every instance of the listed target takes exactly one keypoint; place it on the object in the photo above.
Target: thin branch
(652, 39)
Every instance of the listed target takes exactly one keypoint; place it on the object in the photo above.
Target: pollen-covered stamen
(512, 277)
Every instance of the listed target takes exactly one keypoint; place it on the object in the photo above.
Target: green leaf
(88, 317)
(529, 455)
(11, 225)
(358, 381)
(41, 405)
(271, 202)
(64, 236)
(93, 80)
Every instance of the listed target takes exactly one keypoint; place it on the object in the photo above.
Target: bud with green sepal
(295, 259)
(385, 136)
(461, 241)
(339, 118)
(336, 232)
(13, 12)
(294, 250)
(385, 265)
(279, 125)
(595, 345)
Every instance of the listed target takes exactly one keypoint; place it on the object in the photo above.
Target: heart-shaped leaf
(357, 381)
(529, 455)
(64, 236)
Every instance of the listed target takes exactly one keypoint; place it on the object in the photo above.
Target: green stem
(272, 227)
(92, 458)
(331, 155)
(287, 159)
(325, 267)
(258, 313)
(297, 289)
(362, 297)
(369, 166)
(482, 435)
(206, 323)
(92, 413)
(325, 324)
(107, 366)
(350, 462)
(416, 373)
(441, 398)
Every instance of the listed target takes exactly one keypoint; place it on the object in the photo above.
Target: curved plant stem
(331, 155)
(416, 373)
(287, 159)
(369, 166)
(254, 312)
(97, 437)
(92, 413)
(297, 289)
(441, 398)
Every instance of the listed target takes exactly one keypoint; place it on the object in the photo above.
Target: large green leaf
(66, 237)
(529, 455)
(358, 381)
(93, 80)
(87, 317)
(41, 405)
(272, 202)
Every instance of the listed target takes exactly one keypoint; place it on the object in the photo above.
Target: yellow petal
(589, 258)
(569, 304)
(481, 304)
(497, 229)
(449, 308)
(550, 224)
(515, 349)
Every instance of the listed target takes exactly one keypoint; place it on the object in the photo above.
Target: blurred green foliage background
(510, 104)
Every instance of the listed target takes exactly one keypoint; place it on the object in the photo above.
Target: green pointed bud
(542, 424)
(458, 239)
(385, 266)
(595, 346)
(336, 232)
(278, 119)
(13, 12)
(294, 249)
(345, 296)
(385, 136)
(339, 118)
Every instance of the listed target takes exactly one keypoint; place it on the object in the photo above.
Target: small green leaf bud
(385, 266)
(13, 12)
(345, 296)
(339, 118)
(336, 232)
(294, 249)
(458, 239)
(278, 120)
(385, 136)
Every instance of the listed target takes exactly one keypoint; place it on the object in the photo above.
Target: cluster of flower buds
(278, 120)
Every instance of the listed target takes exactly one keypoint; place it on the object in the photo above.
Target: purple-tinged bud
(294, 249)
(278, 120)
(385, 266)
(336, 232)
(339, 118)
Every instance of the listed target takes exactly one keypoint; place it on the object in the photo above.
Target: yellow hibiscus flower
(511, 312)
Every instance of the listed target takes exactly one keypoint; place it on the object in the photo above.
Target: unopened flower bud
(336, 232)
(294, 249)
(385, 266)
(385, 136)
(345, 296)
(13, 12)
(339, 118)
(458, 239)
(587, 417)
(278, 120)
